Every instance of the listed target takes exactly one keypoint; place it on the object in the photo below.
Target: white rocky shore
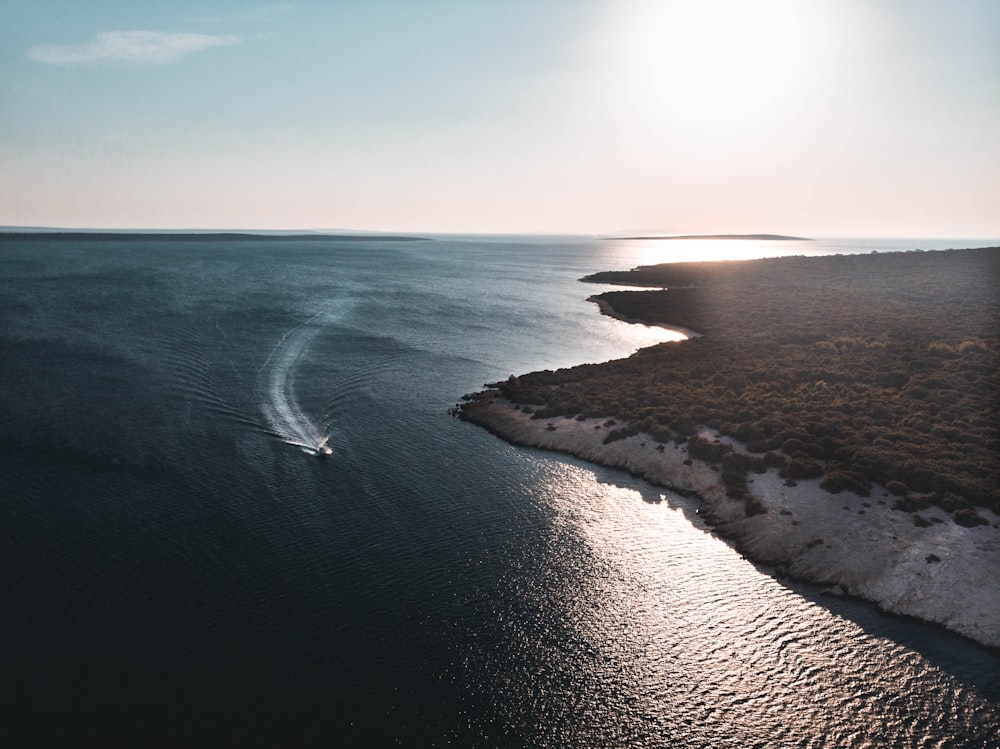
(943, 573)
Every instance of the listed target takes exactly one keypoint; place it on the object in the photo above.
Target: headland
(837, 416)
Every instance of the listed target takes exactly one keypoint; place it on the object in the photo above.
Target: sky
(810, 117)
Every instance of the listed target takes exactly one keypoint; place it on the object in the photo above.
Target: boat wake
(277, 379)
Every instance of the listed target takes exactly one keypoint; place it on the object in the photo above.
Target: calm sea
(177, 566)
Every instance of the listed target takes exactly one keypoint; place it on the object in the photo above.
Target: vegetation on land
(860, 369)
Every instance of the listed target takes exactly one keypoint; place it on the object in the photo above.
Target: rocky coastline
(854, 545)
(854, 527)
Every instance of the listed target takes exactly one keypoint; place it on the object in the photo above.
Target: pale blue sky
(817, 117)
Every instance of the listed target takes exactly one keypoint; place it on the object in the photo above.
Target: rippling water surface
(177, 565)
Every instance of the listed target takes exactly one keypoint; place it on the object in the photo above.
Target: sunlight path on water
(652, 632)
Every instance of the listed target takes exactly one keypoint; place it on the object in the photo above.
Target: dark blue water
(178, 566)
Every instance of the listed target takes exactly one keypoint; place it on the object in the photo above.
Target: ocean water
(179, 567)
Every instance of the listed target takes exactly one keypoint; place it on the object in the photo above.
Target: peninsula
(836, 415)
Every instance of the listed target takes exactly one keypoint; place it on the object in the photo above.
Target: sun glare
(654, 251)
(708, 61)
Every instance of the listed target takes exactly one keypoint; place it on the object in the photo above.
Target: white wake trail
(277, 376)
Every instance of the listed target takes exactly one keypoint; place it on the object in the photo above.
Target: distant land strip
(203, 236)
(761, 237)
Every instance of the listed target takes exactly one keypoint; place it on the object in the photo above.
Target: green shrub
(685, 427)
(619, 434)
(752, 506)
(710, 452)
(801, 468)
(838, 481)
(968, 518)
(897, 488)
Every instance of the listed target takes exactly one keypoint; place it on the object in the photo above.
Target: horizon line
(13, 229)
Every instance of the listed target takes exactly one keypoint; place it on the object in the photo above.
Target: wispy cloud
(129, 46)
(259, 14)
(266, 12)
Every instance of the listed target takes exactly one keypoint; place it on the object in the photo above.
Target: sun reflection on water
(653, 632)
(654, 251)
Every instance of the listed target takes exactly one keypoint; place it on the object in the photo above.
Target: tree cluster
(860, 369)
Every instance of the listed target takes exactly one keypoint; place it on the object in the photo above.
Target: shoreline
(855, 545)
(606, 309)
(836, 417)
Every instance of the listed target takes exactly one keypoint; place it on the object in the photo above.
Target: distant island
(759, 237)
(181, 236)
(837, 416)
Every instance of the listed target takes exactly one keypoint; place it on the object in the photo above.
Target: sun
(708, 61)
